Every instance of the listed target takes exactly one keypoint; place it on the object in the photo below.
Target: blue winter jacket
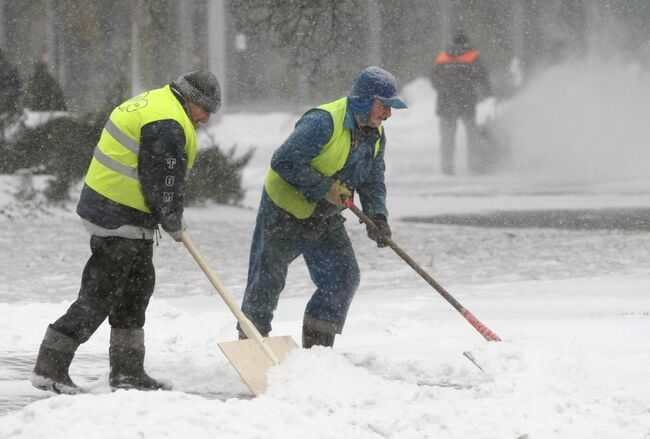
(361, 172)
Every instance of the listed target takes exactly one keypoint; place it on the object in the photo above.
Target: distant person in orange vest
(460, 79)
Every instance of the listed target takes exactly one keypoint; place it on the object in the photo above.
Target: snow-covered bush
(61, 147)
(216, 175)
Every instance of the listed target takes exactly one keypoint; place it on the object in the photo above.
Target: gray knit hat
(202, 88)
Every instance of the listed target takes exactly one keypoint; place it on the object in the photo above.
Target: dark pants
(448, 126)
(117, 283)
(277, 241)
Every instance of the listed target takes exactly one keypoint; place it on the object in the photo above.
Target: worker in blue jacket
(335, 149)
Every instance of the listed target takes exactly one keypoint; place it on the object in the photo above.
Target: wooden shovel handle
(246, 325)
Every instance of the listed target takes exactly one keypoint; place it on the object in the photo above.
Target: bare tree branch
(313, 30)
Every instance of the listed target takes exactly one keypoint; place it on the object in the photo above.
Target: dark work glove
(378, 233)
(176, 234)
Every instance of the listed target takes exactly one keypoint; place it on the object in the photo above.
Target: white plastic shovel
(253, 357)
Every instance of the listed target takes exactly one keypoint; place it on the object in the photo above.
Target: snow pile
(532, 386)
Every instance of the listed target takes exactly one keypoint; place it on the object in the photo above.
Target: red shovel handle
(480, 327)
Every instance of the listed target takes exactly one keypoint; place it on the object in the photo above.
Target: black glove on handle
(377, 233)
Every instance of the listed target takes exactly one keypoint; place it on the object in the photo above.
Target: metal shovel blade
(252, 363)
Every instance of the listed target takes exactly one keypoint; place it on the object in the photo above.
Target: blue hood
(373, 83)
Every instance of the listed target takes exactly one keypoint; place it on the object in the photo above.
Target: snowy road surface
(572, 308)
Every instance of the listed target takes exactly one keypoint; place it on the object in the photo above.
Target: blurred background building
(279, 54)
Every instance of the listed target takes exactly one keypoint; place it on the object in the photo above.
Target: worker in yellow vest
(134, 183)
(460, 79)
(334, 150)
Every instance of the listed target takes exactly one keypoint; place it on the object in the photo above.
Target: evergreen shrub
(216, 176)
(43, 91)
(61, 147)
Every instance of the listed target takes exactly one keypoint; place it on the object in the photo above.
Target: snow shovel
(480, 327)
(252, 357)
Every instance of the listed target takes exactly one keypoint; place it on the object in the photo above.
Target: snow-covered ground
(572, 306)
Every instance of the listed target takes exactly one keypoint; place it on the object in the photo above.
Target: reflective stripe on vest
(125, 140)
(113, 171)
(329, 161)
(114, 165)
(465, 58)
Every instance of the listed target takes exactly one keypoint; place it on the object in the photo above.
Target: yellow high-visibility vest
(113, 171)
(328, 162)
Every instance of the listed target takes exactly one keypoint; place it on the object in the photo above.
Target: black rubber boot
(126, 357)
(54, 358)
(313, 337)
